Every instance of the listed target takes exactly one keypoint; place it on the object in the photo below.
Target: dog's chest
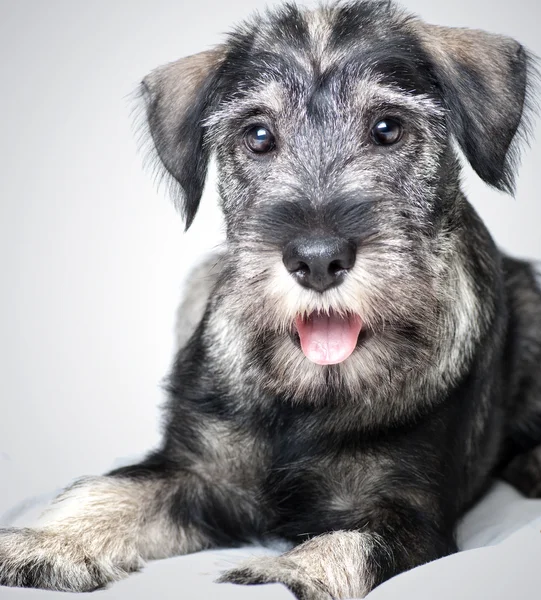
(312, 487)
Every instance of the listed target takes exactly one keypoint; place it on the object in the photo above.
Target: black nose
(319, 263)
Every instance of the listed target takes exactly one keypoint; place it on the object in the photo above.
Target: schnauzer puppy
(362, 359)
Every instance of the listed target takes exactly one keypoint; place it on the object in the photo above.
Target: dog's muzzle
(320, 263)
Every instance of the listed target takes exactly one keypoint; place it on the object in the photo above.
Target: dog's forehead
(319, 31)
(292, 50)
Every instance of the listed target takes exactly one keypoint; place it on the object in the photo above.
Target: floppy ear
(177, 98)
(485, 81)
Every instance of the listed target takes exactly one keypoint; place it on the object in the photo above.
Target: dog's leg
(102, 528)
(345, 564)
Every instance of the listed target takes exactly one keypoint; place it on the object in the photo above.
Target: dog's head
(334, 135)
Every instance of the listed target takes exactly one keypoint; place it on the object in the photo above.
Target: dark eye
(259, 139)
(387, 132)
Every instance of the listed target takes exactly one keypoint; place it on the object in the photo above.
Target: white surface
(184, 578)
(507, 571)
(501, 537)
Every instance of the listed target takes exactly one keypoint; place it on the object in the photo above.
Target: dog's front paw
(44, 559)
(278, 569)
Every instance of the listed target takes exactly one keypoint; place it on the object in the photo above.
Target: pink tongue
(328, 340)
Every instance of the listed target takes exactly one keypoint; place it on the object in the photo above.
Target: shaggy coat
(343, 123)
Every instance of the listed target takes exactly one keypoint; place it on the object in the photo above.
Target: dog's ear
(177, 97)
(485, 83)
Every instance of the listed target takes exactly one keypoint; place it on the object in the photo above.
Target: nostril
(336, 267)
(296, 266)
(302, 268)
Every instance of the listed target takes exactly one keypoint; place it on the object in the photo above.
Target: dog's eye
(259, 139)
(387, 132)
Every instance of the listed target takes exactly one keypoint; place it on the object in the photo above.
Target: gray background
(92, 256)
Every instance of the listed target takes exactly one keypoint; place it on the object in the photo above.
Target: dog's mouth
(328, 339)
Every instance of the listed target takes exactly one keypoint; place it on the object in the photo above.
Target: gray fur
(330, 566)
(369, 462)
(97, 531)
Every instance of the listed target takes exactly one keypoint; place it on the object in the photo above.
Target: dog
(360, 359)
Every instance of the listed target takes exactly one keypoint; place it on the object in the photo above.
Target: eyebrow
(370, 80)
(237, 111)
(376, 89)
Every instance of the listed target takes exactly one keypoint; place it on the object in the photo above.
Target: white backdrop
(92, 256)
